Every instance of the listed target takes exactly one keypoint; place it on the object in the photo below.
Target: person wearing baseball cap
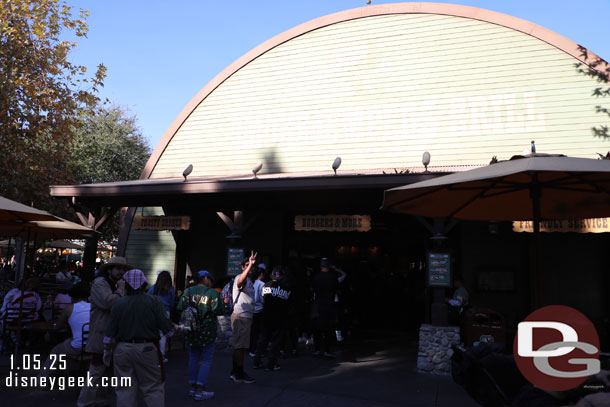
(133, 332)
(107, 288)
(205, 302)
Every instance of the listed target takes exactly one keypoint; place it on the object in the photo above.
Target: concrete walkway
(372, 373)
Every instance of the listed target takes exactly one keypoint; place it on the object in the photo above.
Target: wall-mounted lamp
(187, 171)
(336, 164)
(426, 160)
(257, 168)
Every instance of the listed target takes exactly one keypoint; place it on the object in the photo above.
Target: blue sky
(160, 53)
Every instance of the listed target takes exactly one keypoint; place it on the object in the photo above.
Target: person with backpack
(241, 319)
(200, 305)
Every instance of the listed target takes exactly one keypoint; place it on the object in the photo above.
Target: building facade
(376, 86)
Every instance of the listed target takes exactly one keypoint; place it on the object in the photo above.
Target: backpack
(227, 297)
(191, 316)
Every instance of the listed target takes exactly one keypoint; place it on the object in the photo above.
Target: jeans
(200, 362)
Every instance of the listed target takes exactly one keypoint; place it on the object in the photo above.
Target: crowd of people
(123, 323)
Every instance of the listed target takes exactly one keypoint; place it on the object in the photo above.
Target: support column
(95, 219)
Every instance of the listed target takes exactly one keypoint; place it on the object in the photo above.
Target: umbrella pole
(536, 273)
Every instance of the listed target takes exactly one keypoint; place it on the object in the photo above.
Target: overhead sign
(234, 258)
(162, 222)
(595, 225)
(439, 269)
(332, 223)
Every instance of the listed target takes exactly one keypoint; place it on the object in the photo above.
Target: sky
(160, 53)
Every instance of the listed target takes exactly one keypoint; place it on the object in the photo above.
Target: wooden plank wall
(379, 91)
(150, 250)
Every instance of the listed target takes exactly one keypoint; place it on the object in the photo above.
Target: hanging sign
(332, 223)
(234, 257)
(162, 222)
(596, 225)
(439, 269)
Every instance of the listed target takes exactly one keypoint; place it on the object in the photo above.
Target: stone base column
(434, 354)
(224, 341)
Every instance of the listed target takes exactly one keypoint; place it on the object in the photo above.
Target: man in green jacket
(203, 302)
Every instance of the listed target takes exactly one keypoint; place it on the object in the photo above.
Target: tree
(598, 69)
(41, 96)
(107, 147)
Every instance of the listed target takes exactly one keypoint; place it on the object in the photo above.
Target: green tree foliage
(108, 146)
(41, 95)
(600, 70)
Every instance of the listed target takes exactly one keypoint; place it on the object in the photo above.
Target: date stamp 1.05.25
(33, 371)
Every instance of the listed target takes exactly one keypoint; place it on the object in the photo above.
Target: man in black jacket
(276, 300)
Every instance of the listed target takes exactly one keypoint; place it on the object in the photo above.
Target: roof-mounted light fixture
(187, 171)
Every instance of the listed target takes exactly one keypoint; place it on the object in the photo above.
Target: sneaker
(251, 354)
(328, 355)
(203, 395)
(233, 377)
(246, 379)
(275, 367)
(309, 342)
(192, 392)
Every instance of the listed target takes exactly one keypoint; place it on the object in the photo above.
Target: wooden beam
(109, 213)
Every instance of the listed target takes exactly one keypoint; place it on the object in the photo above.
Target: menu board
(234, 257)
(439, 269)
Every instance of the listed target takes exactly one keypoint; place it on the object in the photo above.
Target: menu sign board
(332, 223)
(234, 257)
(162, 222)
(439, 269)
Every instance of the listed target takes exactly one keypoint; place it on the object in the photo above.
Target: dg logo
(556, 348)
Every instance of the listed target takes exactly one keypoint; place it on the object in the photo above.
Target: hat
(205, 273)
(114, 262)
(324, 262)
(262, 266)
(135, 278)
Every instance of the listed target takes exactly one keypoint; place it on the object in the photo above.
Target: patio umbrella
(531, 187)
(64, 244)
(57, 229)
(14, 211)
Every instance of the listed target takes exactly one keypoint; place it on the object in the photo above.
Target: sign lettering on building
(595, 225)
(332, 223)
(162, 222)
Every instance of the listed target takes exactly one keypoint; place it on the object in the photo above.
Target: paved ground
(374, 373)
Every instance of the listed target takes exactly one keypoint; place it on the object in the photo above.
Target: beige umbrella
(14, 211)
(63, 244)
(522, 188)
(57, 229)
(532, 187)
